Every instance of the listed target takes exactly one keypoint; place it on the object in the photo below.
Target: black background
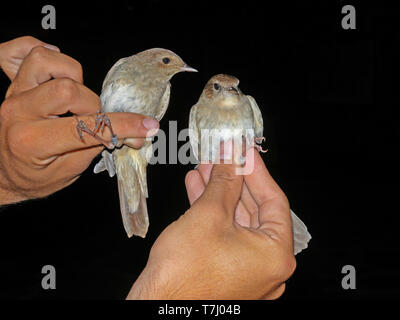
(329, 98)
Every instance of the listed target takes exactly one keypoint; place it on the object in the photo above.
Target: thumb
(224, 189)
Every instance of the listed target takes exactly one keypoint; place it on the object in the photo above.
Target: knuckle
(19, 141)
(6, 110)
(65, 89)
(28, 39)
(37, 54)
(79, 70)
(223, 176)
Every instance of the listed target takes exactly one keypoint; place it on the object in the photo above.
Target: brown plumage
(224, 113)
(139, 84)
(229, 113)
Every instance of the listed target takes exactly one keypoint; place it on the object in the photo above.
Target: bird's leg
(82, 127)
(258, 141)
(243, 151)
(103, 121)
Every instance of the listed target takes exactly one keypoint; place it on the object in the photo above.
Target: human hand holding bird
(225, 115)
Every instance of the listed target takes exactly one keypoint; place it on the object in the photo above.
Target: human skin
(236, 240)
(13, 52)
(40, 152)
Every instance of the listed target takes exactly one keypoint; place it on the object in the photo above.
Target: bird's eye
(216, 86)
(166, 60)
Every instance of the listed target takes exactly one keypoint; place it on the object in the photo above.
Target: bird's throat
(228, 102)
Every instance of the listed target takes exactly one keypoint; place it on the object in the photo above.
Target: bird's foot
(258, 141)
(103, 121)
(82, 127)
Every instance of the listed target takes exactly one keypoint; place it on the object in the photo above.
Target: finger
(274, 212)
(194, 185)
(251, 206)
(72, 164)
(135, 143)
(41, 65)
(242, 214)
(56, 97)
(20, 47)
(16, 50)
(224, 189)
(205, 171)
(51, 137)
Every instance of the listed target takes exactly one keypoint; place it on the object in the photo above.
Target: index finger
(52, 137)
(274, 211)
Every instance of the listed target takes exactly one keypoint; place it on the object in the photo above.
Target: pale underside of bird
(138, 84)
(224, 114)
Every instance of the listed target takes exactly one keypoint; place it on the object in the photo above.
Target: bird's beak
(188, 69)
(234, 89)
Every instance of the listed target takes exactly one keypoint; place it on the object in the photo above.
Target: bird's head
(163, 61)
(223, 87)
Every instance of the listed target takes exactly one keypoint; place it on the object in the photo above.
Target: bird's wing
(301, 236)
(164, 102)
(111, 71)
(193, 131)
(258, 120)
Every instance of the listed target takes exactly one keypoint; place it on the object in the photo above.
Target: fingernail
(150, 123)
(51, 47)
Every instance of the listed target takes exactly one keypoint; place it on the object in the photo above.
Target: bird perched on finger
(138, 84)
(225, 114)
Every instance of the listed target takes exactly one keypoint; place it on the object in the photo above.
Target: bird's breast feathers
(230, 116)
(143, 98)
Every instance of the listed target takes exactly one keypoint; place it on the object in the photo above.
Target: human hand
(41, 152)
(206, 254)
(13, 52)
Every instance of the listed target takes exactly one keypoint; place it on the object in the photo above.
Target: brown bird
(139, 84)
(223, 113)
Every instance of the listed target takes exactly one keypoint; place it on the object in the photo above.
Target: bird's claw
(260, 149)
(103, 121)
(82, 127)
(258, 141)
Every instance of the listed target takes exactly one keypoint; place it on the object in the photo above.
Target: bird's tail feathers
(301, 236)
(132, 187)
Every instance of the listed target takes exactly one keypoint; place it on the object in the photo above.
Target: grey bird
(224, 113)
(139, 84)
